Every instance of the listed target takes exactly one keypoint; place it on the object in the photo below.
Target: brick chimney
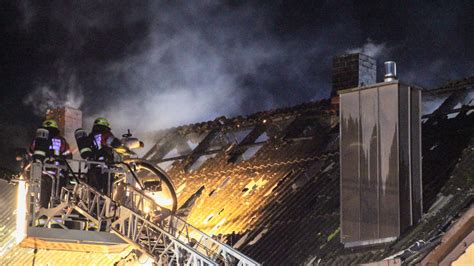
(352, 70)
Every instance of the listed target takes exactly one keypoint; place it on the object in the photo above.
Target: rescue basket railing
(133, 227)
(131, 214)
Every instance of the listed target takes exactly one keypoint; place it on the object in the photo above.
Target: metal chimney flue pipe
(390, 71)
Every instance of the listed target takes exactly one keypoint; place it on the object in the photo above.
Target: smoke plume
(370, 48)
(61, 93)
(187, 63)
(150, 65)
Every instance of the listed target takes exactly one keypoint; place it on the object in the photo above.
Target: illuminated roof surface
(281, 206)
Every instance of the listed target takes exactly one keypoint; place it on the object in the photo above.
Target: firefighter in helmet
(98, 146)
(103, 141)
(50, 146)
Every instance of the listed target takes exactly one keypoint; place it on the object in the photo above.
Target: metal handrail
(137, 211)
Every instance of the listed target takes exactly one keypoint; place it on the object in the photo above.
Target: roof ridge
(251, 118)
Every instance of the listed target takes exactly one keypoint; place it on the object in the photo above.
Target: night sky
(148, 65)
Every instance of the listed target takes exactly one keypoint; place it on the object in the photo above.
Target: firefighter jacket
(103, 141)
(57, 146)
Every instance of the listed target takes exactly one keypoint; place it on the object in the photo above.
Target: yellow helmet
(50, 123)
(101, 121)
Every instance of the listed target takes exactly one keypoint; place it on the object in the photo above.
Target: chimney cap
(390, 71)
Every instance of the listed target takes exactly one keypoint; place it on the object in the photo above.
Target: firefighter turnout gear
(98, 146)
(103, 141)
(49, 145)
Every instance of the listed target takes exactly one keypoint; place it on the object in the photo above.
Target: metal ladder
(141, 222)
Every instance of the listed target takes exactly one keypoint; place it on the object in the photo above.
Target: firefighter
(102, 144)
(49, 145)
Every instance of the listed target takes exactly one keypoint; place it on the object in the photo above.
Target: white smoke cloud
(370, 48)
(184, 73)
(190, 62)
(64, 93)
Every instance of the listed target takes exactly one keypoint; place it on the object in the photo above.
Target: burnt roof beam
(184, 156)
(246, 143)
(168, 142)
(157, 139)
(454, 99)
(202, 147)
(464, 108)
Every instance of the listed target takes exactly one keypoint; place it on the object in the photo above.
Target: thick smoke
(190, 68)
(59, 94)
(186, 63)
(43, 98)
(154, 64)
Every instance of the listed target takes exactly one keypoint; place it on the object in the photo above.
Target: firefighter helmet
(101, 121)
(50, 123)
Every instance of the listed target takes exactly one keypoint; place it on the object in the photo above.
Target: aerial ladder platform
(82, 218)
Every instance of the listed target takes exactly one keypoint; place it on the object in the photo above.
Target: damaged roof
(268, 184)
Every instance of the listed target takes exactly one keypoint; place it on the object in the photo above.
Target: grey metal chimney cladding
(380, 127)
